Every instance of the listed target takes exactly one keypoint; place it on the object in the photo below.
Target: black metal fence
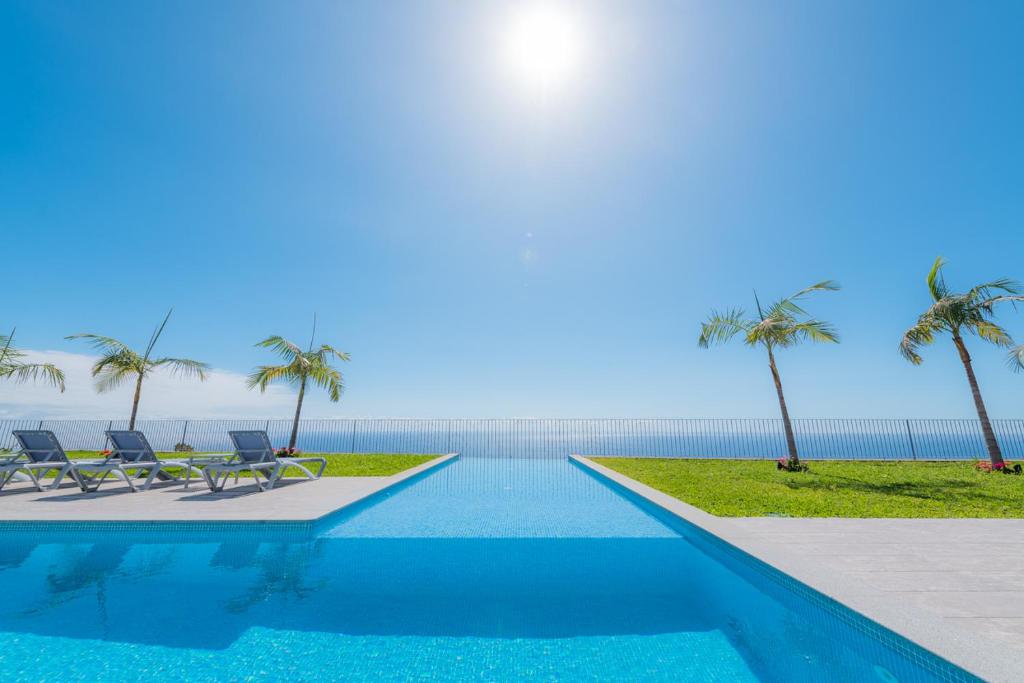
(838, 439)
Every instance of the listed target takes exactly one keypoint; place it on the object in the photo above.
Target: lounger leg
(12, 475)
(206, 477)
(61, 472)
(6, 478)
(153, 472)
(98, 478)
(309, 475)
(123, 476)
(275, 474)
(212, 482)
(32, 476)
(81, 480)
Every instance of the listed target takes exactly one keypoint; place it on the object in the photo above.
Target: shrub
(790, 465)
(1004, 467)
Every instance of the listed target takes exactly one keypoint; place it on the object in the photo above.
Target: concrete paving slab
(289, 500)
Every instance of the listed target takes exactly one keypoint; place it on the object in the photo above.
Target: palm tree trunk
(786, 424)
(994, 453)
(135, 402)
(298, 410)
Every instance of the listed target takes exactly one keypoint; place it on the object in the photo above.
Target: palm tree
(119, 363)
(957, 313)
(781, 325)
(13, 368)
(300, 367)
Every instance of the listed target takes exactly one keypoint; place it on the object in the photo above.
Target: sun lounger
(134, 450)
(257, 441)
(41, 453)
(254, 454)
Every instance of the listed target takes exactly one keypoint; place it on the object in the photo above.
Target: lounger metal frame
(145, 459)
(257, 460)
(88, 474)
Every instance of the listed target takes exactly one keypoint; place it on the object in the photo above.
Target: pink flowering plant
(790, 464)
(1003, 467)
(286, 452)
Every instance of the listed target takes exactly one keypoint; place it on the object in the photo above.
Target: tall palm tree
(13, 368)
(119, 363)
(781, 325)
(956, 313)
(300, 368)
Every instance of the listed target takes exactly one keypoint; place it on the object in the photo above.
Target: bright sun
(543, 47)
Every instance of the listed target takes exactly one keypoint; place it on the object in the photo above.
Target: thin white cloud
(223, 394)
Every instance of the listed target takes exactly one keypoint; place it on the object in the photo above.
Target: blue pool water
(486, 569)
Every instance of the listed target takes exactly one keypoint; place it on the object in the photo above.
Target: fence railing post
(910, 437)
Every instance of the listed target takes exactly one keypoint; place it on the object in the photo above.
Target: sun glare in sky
(543, 47)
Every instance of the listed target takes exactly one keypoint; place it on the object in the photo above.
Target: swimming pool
(486, 569)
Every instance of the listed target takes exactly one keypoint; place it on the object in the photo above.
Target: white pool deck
(953, 586)
(293, 499)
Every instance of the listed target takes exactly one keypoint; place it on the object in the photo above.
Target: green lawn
(338, 464)
(831, 489)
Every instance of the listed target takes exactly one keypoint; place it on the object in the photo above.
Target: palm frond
(784, 308)
(8, 352)
(111, 376)
(327, 350)
(816, 331)
(936, 283)
(992, 333)
(721, 327)
(988, 290)
(823, 286)
(921, 334)
(328, 378)
(1015, 359)
(281, 346)
(101, 343)
(264, 375)
(788, 308)
(33, 372)
(183, 367)
(126, 360)
(156, 335)
(990, 303)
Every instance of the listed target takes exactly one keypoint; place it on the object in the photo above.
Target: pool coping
(381, 487)
(924, 629)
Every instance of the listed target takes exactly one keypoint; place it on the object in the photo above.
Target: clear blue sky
(482, 251)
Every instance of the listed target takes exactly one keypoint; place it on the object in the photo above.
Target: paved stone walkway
(293, 499)
(968, 572)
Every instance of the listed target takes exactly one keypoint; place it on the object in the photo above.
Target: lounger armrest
(12, 458)
(243, 465)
